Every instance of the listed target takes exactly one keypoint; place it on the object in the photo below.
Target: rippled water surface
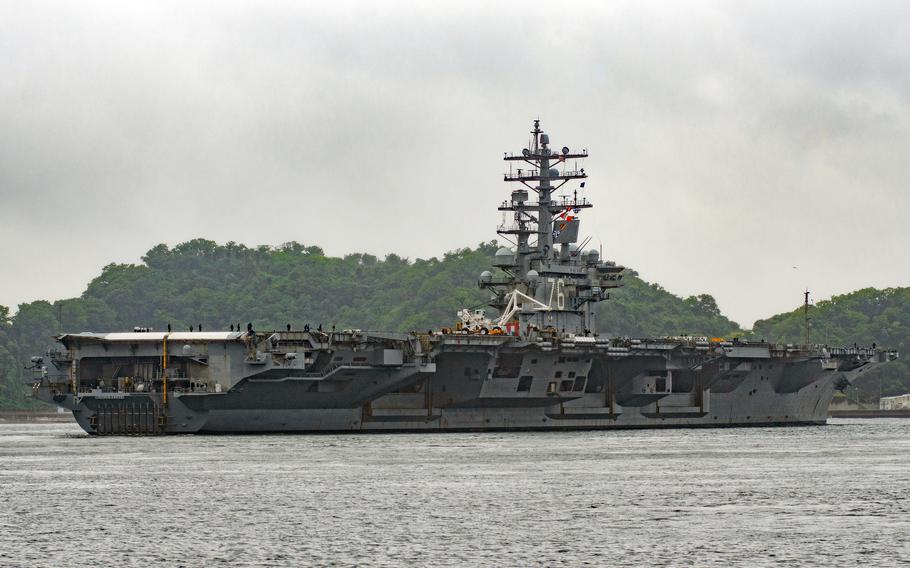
(822, 496)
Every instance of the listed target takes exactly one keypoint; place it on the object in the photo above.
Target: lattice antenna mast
(550, 283)
(536, 218)
(806, 315)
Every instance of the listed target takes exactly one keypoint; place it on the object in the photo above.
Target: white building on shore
(900, 402)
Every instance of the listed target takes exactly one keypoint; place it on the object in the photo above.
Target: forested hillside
(864, 317)
(201, 282)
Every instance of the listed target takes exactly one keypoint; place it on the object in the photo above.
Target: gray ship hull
(763, 407)
(477, 383)
(732, 409)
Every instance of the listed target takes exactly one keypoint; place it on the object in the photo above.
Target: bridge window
(566, 385)
(579, 385)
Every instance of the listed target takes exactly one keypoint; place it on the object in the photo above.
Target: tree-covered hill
(201, 282)
(865, 317)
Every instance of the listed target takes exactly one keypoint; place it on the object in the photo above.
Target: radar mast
(548, 282)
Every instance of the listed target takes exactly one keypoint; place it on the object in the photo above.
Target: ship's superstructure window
(558, 374)
(566, 385)
(508, 367)
(571, 374)
(579, 385)
(524, 383)
(506, 372)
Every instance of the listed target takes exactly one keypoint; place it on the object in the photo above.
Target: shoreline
(872, 413)
(40, 416)
(31, 416)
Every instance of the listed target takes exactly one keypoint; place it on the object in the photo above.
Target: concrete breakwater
(34, 415)
(869, 413)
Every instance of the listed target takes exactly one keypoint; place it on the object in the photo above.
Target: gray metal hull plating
(366, 382)
(754, 401)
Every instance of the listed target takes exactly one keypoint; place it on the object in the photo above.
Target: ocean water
(837, 495)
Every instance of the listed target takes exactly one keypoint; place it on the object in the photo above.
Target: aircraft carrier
(532, 360)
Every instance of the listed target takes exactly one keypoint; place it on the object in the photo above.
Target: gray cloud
(729, 142)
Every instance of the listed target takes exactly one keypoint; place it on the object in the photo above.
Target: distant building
(900, 402)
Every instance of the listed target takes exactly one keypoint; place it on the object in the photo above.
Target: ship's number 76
(556, 288)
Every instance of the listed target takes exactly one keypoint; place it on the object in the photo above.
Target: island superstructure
(534, 360)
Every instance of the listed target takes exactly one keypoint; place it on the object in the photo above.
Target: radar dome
(486, 276)
(554, 172)
(593, 255)
(504, 257)
(532, 276)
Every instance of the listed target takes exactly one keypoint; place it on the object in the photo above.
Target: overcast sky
(745, 152)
